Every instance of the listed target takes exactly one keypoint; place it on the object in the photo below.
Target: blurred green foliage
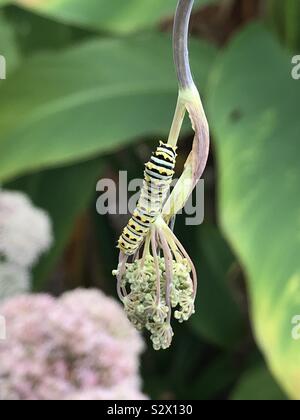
(257, 385)
(257, 138)
(284, 19)
(79, 94)
(90, 87)
(113, 16)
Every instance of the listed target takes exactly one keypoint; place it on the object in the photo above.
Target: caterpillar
(158, 176)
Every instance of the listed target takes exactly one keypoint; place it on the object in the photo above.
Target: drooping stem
(182, 64)
(146, 251)
(188, 100)
(156, 264)
(180, 43)
(177, 122)
(169, 233)
(121, 271)
(168, 270)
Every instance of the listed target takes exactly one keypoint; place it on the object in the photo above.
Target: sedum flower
(25, 231)
(14, 280)
(116, 393)
(56, 348)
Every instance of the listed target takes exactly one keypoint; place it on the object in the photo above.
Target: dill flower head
(57, 348)
(151, 298)
(25, 231)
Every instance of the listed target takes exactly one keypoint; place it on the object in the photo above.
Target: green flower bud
(146, 304)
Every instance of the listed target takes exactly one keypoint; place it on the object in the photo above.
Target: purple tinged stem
(186, 255)
(122, 293)
(156, 263)
(146, 251)
(169, 270)
(180, 43)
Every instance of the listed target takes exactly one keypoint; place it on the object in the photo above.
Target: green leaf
(41, 34)
(117, 15)
(218, 317)
(257, 384)
(254, 110)
(72, 105)
(64, 193)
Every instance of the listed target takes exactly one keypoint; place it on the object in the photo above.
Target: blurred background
(90, 90)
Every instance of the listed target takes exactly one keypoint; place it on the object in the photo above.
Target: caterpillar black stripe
(158, 176)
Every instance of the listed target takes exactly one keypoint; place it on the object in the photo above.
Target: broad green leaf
(37, 33)
(218, 317)
(254, 111)
(72, 105)
(64, 193)
(257, 384)
(110, 15)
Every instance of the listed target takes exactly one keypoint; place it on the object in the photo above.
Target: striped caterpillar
(158, 176)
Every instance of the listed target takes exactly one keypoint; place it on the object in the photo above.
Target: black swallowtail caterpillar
(158, 174)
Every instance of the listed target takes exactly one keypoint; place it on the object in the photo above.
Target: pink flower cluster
(118, 392)
(25, 234)
(78, 345)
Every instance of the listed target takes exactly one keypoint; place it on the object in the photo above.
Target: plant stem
(180, 43)
(188, 100)
(182, 64)
(177, 122)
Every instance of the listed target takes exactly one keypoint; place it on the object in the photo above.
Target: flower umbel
(152, 288)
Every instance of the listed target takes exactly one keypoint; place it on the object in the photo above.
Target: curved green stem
(177, 122)
(182, 64)
(180, 43)
(188, 100)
